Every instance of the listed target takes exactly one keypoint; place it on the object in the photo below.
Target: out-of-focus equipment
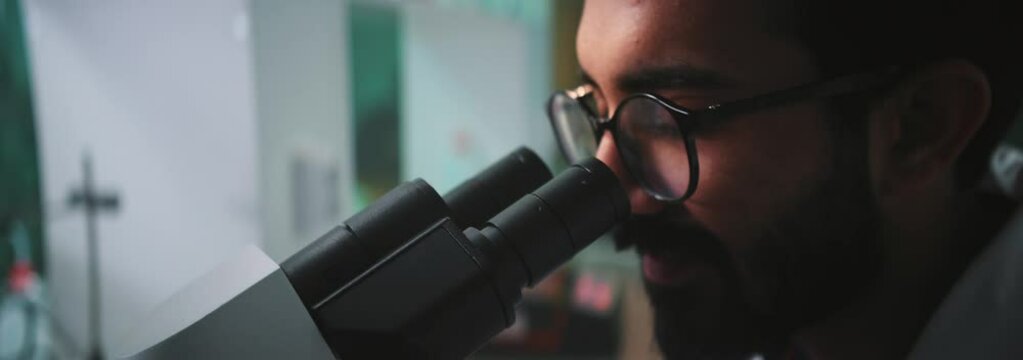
(1006, 170)
(415, 275)
(24, 319)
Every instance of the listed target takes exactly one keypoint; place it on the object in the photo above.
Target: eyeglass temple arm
(812, 91)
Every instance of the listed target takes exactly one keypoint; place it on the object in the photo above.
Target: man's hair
(854, 35)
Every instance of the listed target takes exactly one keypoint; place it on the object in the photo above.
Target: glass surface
(653, 147)
(574, 127)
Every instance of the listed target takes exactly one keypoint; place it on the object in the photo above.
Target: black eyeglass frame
(694, 121)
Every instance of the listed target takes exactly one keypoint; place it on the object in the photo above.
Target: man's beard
(808, 264)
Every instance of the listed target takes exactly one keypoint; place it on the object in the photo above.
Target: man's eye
(665, 130)
(660, 132)
(661, 127)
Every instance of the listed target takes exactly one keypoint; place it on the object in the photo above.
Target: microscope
(413, 276)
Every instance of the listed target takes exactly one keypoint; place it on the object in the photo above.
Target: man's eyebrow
(676, 77)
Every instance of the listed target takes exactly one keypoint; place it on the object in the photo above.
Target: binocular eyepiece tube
(346, 251)
(420, 276)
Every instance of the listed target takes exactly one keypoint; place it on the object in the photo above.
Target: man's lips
(675, 249)
(670, 272)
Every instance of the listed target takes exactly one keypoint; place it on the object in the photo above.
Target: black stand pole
(92, 203)
(96, 342)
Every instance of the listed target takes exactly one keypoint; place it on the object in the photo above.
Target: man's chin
(693, 288)
(697, 317)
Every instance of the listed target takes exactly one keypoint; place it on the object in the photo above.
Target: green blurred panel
(19, 164)
(375, 69)
(530, 12)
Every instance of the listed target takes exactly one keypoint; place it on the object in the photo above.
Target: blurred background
(147, 141)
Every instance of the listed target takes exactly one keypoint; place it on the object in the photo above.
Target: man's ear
(926, 122)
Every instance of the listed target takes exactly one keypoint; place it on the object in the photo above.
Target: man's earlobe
(936, 111)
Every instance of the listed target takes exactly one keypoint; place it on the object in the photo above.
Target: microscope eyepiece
(552, 224)
(346, 251)
(480, 198)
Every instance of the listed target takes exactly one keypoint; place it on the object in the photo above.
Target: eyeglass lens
(648, 138)
(653, 147)
(574, 128)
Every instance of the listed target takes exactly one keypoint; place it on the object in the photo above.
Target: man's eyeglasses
(654, 136)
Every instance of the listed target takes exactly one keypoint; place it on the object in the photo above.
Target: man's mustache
(672, 234)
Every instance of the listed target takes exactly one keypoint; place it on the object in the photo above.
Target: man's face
(781, 230)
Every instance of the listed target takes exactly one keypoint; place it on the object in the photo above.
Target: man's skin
(800, 238)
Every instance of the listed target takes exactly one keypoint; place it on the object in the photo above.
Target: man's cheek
(727, 201)
(744, 187)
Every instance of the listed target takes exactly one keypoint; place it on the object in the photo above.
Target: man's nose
(642, 203)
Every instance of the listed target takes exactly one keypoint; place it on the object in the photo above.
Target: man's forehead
(730, 13)
(713, 41)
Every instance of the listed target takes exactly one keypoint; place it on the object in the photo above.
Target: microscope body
(245, 309)
(426, 300)
(413, 276)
